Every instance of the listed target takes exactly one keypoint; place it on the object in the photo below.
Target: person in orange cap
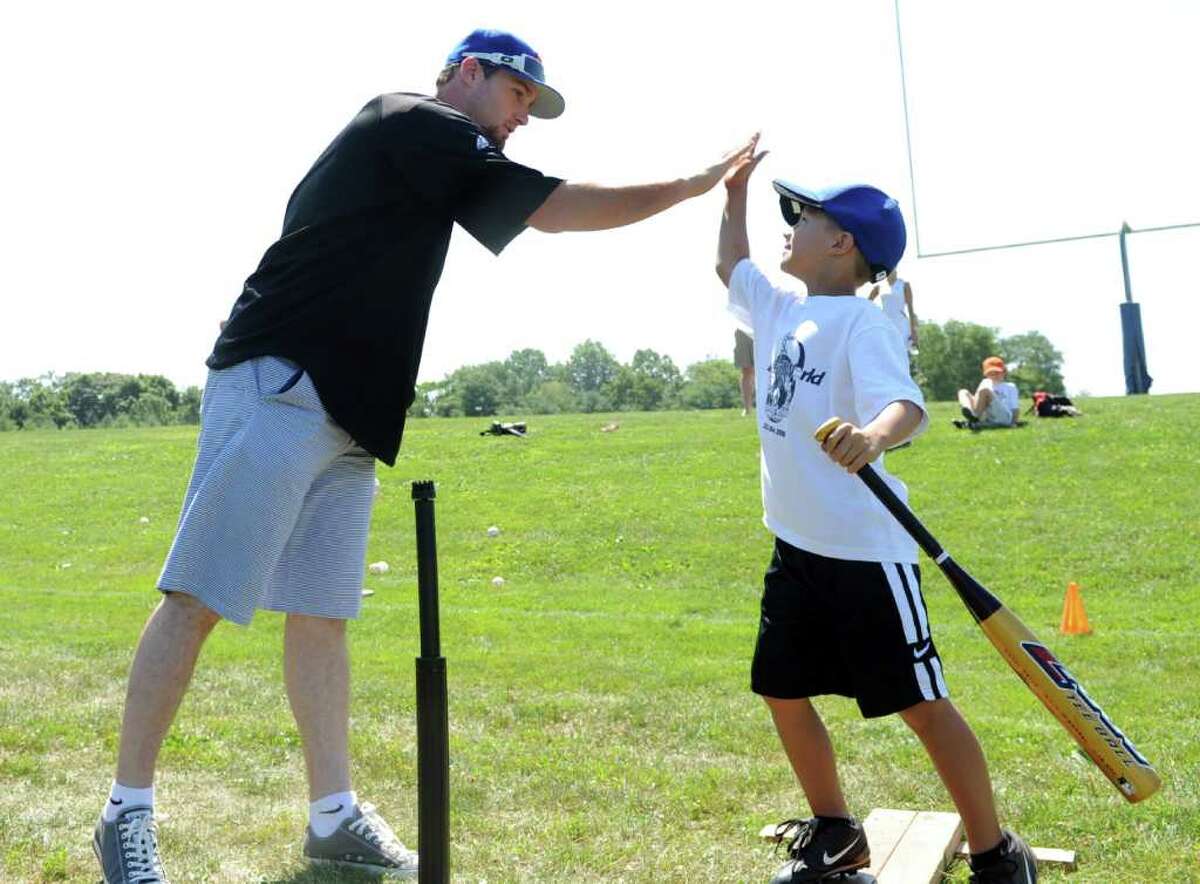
(995, 402)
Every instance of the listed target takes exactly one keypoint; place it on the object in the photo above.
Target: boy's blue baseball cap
(506, 50)
(867, 213)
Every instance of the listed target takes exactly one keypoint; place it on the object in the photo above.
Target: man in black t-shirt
(309, 383)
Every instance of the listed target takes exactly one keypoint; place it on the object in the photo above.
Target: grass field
(601, 724)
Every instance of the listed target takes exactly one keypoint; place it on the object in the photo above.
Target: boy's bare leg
(162, 668)
(978, 403)
(810, 751)
(317, 674)
(959, 761)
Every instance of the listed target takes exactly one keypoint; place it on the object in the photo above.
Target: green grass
(601, 724)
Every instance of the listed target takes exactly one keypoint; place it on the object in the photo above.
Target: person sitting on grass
(995, 402)
(842, 611)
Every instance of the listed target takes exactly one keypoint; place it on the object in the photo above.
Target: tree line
(590, 380)
(96, 399)
(593, 380)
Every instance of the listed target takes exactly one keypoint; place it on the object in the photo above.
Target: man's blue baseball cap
(868, 214)
(502, 49)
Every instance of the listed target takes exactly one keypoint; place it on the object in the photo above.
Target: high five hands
(742, 165)
(729, 165)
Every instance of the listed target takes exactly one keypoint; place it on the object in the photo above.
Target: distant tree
(85, 399)
(659, 380)
(47, 406)
(425, 398)
(591, 366)
(1033, 363)
(150, 410)
(471, 390)
(480, 389)
(650, 382)
(7, 402)
(711, 384)
(951, 356)
(525, 371)
(552, 397)
(188, 409)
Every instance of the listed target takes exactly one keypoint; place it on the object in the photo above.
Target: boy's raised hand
(705, 181)
(742, 166)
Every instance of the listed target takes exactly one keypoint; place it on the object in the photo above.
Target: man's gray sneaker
(127, 848)
(363, 842)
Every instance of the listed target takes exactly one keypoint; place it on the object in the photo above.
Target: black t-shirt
(345, 291)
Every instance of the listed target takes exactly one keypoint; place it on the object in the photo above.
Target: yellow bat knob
(826, 428)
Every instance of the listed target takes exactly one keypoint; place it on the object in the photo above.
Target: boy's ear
(842, 242)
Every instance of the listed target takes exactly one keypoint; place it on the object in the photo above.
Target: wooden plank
(885, 827)
(924, 850)
(1049, 856)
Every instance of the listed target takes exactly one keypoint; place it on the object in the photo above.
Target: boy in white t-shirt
(996, 402)
(842, 611)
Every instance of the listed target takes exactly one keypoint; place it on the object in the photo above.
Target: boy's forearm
(894, 424)
(733, 242)
(598, 207)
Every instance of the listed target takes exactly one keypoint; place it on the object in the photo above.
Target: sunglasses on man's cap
(529, 65)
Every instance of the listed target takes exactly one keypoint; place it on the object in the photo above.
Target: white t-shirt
(817, 357)
(892, 304)
(1007, 400)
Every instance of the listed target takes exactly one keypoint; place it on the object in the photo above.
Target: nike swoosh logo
(829, 860)
(920, 652)
(335, 810)
(116, 801)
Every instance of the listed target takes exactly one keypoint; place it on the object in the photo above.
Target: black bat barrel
(433, 720)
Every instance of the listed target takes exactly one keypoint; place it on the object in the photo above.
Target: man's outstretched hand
(739, 156)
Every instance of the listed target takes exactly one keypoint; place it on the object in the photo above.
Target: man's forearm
(733, 243)
(596, 207)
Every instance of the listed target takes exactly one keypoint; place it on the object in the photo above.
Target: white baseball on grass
(497, 581)
(493, 531)
(378, 567)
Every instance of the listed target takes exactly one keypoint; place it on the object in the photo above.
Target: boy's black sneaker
(820, 848)
(1017, 865)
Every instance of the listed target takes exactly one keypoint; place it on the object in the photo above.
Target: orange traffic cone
(1074, 617)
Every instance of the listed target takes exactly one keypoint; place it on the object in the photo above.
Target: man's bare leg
(162, 668)
(747, 384)
(317, 673)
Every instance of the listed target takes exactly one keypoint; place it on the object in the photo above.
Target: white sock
(122, 797)
(326, 814)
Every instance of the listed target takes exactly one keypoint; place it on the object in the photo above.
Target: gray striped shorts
(279, 504)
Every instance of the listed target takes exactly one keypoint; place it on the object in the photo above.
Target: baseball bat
(1042, 672)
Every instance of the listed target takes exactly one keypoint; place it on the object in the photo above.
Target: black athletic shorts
(858, 629)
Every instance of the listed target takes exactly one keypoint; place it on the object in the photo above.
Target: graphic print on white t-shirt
(820, 356)
(785, 370)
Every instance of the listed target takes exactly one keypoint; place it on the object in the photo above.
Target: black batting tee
(345, 291)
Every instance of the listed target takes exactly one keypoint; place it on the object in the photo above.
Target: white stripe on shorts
(904, 605)
(914, 593)
(923, 681)
(936, 663)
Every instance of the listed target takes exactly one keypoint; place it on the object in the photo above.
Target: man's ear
(470, 70)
